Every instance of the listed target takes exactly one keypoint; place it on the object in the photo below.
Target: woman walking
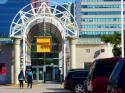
(21, 78)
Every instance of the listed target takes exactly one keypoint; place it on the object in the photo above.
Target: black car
(116, 82)
(75, 80)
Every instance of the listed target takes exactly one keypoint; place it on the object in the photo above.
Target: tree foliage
(114, 39)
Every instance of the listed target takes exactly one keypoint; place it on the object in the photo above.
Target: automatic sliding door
(34, 70)
(37, 74)
(56, 73)
(48, 74)
(40, 72)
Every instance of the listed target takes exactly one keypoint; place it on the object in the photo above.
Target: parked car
(99, 74)
(75, 80)
(116, 82)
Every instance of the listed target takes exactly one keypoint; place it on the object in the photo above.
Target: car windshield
(77, 73)
(116, 71)
(70, 73)
(121, 79)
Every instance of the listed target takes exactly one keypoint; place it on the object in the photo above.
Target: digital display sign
(44, 44)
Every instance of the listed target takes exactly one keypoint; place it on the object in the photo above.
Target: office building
(98, 17)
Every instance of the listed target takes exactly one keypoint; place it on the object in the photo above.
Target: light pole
(122, 28)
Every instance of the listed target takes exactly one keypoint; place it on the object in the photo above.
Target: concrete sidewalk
(37, 88)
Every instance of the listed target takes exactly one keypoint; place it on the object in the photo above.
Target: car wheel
(79, 88)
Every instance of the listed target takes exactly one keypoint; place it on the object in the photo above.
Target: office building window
(101, 19)
(87, 50)
(102, 50)
(101, 13)
(101, 6)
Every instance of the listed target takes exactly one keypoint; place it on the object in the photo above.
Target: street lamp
(122, 28)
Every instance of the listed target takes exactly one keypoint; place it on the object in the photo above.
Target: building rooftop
(88, 40)
(5, 40)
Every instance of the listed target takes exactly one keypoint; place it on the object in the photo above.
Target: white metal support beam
(34, 12)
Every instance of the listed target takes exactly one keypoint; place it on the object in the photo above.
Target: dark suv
(99, 74)
(75, 80)
(116, 82)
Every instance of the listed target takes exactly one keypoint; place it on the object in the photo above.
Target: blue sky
(62, 1)
(59, 1)
(4, 27)
(3, 1)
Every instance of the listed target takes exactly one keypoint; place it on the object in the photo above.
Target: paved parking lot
(37, 88)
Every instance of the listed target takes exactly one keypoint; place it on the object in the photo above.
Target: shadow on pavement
(12, 88)
(58, 90)
(9, 88)
(55, 89)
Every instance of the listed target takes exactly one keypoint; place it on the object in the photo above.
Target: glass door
(37, 74)
(49, 73)
(34, 70)
(57, 74)
(40, 74)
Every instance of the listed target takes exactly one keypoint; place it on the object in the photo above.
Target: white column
(16, 59)
(60, 61)
(73, 53)
(64, 64)
(24, 53)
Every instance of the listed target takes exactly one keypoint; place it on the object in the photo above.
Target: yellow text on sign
(44, 44)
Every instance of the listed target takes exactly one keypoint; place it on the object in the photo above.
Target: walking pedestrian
(29, 79)
(21, 78)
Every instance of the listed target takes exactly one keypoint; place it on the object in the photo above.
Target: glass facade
(102, 26)
(45, 64)
(98, 17)
(45, 58)
(95, 33)
(101, 19)
(101, 13)
(101, 6)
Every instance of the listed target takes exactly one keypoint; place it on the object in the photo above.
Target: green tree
(114, 39)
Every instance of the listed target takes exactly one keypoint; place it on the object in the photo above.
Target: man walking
(29, 79)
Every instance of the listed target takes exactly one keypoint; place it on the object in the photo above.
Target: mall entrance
(45, 55)
(46, 73)
(43, 19)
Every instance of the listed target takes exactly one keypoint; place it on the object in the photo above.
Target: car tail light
(93, 84)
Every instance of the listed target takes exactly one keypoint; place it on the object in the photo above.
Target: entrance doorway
(52, 73)
(37, 73)
(49, 73)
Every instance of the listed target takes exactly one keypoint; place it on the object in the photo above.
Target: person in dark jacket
(21, 78)
(29, 79)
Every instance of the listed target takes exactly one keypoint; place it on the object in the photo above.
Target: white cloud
(3, 1)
